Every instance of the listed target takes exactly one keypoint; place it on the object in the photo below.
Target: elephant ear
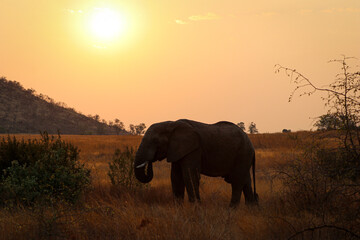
(183, 141)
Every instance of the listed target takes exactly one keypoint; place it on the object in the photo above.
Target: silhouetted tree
(140, 129)
(132, 130)
(119, 126)
(97, 118)
(328, 121)
(137, 129)
(332, 121)
(343, 102)
(328, 172)
(241, 125)
(252, 128)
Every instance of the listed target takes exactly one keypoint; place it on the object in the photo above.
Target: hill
(24, 111)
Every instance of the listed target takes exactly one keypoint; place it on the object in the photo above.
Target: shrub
(338, 164)
(121, 169)
(45, 170)
(321, 183)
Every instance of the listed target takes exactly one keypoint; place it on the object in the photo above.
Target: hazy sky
(165, 60)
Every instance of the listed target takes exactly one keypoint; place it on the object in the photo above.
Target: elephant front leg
(191, 174)
(192, 180)
(177, 181)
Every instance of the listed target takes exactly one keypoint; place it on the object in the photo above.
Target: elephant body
(194, 148)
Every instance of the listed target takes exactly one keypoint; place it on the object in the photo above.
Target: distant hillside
(23, 111)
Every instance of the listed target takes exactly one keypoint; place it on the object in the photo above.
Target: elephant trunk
(140, 165)
(142, 176)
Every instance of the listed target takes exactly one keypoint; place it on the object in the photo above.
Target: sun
(107, 24)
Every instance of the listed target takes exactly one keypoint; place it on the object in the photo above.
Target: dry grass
(114, 213)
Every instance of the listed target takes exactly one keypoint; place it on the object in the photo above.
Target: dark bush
(42, 170)
(121, 169)
(338, 163)
(321, 182)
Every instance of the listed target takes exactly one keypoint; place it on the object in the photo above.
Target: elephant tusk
(142, 165)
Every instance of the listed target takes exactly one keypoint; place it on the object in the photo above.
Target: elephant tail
(256, 196)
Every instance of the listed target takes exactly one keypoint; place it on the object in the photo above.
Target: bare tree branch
(299, 78)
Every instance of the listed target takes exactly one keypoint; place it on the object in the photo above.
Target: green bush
(40, 171)
(121, 169)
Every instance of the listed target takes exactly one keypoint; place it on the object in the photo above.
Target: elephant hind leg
(241, 182)
(177, 181)
(248, 192)
(251, 198)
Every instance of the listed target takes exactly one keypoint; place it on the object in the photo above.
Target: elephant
(193, 148)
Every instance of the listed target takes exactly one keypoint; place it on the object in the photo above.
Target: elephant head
(171, 140)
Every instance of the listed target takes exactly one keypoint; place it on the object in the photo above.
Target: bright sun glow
(107, 24)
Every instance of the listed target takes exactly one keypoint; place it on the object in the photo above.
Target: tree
(132, 129)
(343, 104)
(96, 118)
(137, 129)
(328, 121)
(252, 128)
(140, 129)
(332, 121)
(241, 125)
(118, 125)
(328, 172)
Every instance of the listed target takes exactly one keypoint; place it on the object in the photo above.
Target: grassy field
(110, 212)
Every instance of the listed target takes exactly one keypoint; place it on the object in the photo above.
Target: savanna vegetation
(305, 203)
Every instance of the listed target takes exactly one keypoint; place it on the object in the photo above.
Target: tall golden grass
(108, 212)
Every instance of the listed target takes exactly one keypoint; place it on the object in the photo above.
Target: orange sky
(202, 60)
